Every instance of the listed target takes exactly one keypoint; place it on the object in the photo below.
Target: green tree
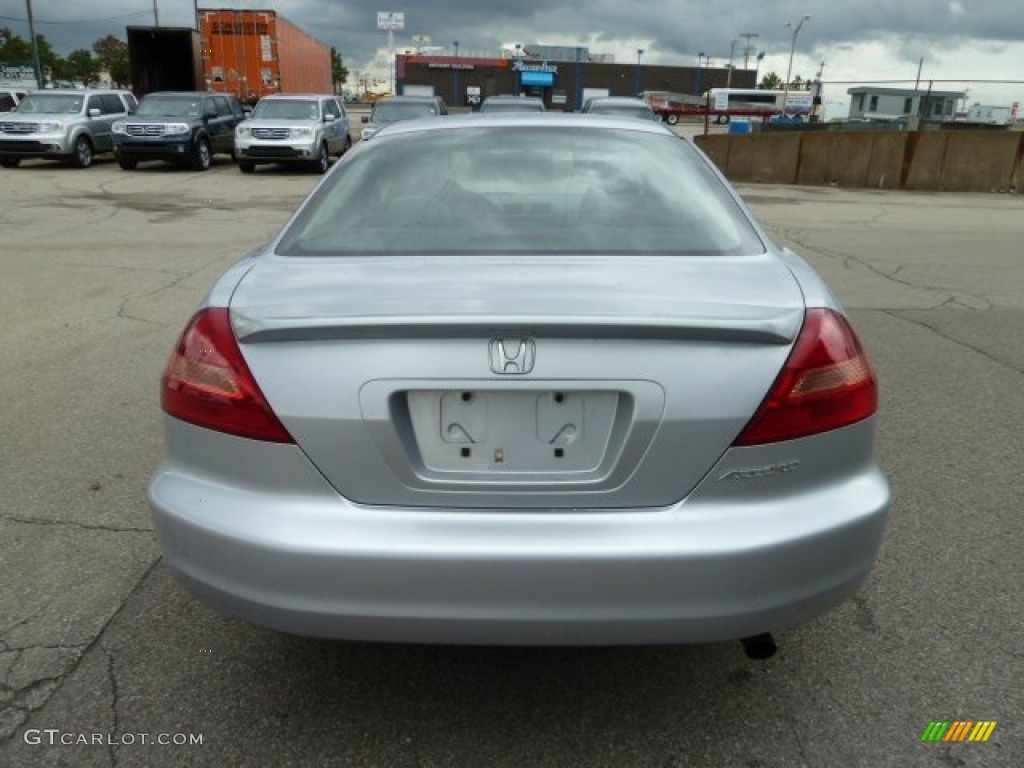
(82, 67)
(112, 55)
(339, 72)
(771, 82)
(14, 48)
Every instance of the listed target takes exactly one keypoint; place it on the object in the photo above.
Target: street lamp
(636, 88)
(458, 101)
(789, 69)
(700, 72)
(515, 72)
(732, 54)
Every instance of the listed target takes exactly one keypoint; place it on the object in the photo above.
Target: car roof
(289, 96)
(190, 94)
(513, 97)
(425, 99)
(573, 120)
(75, 91)
(624, 100)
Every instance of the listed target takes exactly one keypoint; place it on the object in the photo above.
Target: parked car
(620, 106)
(496, 382)
(499, 103)
(9, 98)
(302, 129)
(71, 125)
(182, 127)
(393, 109)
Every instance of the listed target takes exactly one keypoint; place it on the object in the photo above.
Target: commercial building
(562, 84)
(887, 104)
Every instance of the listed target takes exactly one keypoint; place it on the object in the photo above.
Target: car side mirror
(94, 112)
(329, 118)
(365, 118)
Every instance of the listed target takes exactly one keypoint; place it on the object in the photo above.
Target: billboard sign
(391, 20)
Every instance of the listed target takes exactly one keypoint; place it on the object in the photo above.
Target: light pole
(789, 69)
(458, 101)
(636, 88)
(515, 72)
(757, 67)
(700, 73)
(732, 54)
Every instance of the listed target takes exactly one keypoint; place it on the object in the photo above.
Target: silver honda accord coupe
(521, 380)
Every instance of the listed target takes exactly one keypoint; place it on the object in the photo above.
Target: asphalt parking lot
(102, 268)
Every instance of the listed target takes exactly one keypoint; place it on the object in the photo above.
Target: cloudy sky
(863, 40)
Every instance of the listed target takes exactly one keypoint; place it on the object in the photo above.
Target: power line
(80, 21)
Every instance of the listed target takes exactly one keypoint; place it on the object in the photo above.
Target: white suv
(304, 129)
(72, 125)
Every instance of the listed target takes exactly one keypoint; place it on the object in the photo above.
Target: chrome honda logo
(512, 356)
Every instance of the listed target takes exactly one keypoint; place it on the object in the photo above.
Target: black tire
(202, 159)
(82, 154)
(672, 119)
(127, 165)
(246, 166)
(322, 161)
(10, 162)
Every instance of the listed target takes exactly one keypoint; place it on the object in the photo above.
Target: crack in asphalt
(122, 308)
(800, 238)
(82, 526)
(922, 324)
(115, 703)
(4, 738)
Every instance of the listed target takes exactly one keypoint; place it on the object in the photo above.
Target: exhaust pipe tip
(759, 646)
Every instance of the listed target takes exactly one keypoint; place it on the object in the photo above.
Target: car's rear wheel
(81, 156)
(322, 161)
(10, 162)
(246, 166)
(127, 165)
(672, 119)
(202, 159)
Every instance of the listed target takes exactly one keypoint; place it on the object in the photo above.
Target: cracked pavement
(102, 268)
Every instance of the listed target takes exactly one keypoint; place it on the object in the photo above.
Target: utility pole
(748, 47)
(732, 54)
(156, 14)
(35, 45)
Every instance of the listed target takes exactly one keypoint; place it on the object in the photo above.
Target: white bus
(727, 103)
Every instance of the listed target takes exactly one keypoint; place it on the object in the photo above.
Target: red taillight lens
(827, 382)
(208, 383)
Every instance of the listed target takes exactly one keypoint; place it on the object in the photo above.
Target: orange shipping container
(255, 53)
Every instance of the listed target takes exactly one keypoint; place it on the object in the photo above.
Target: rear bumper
(287, 552)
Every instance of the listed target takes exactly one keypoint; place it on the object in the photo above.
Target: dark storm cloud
(671, 30)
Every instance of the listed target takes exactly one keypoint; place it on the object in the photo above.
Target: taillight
(826, 383)
(208, 383)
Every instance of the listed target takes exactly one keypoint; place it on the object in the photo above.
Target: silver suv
(70, 125)
(305, 129)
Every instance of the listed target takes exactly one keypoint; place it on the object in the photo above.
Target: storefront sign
(522, 67)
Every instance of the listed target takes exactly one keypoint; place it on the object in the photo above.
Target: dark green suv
(186, 128)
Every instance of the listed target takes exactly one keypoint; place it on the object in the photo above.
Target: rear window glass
(528, 189)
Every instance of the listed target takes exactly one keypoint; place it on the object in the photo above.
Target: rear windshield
(170, 106)
(393, 111)
(51, 104)
(290, 109)
(530, 189)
